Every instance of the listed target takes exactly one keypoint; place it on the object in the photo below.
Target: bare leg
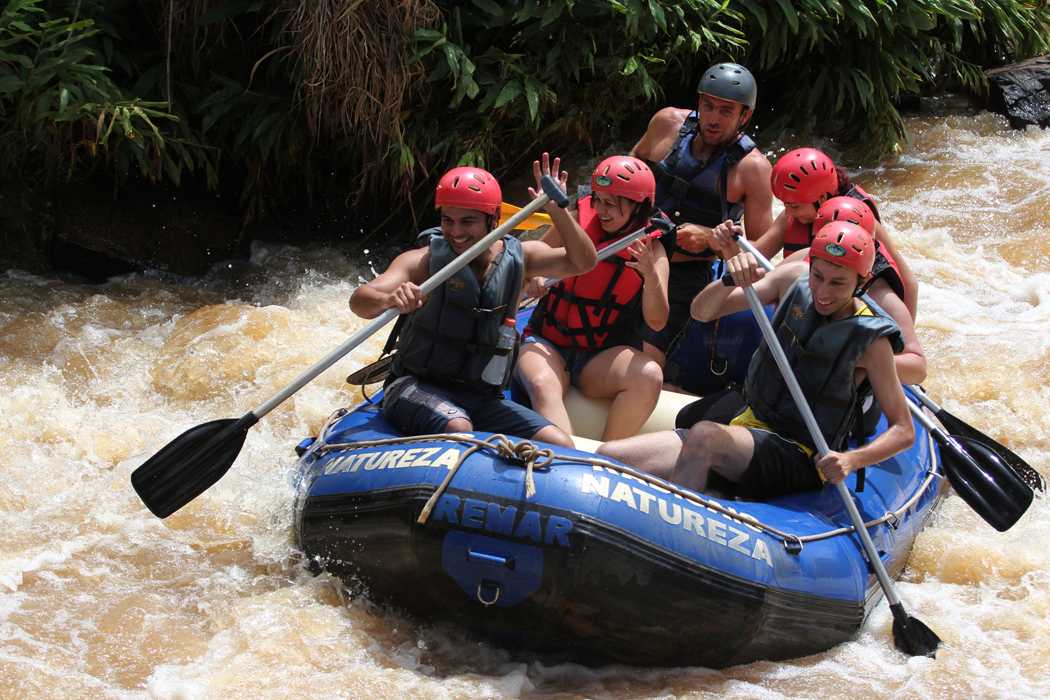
(654, 453)
(555, 436)
(632, 379)
(655, 353)
(726, 449)
(541, 372)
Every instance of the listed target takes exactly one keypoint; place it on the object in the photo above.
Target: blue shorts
(417, 408)
(582, 357)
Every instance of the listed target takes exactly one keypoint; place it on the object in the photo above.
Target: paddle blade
(960, 429)
(188, 465)
(534, 221)
(911, 635)
(989, 486)
(373, 373)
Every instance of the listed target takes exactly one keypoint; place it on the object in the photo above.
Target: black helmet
(730, 81)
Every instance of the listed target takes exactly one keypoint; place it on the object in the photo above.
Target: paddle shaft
(811, 423)
(614, 248)
(390, 314)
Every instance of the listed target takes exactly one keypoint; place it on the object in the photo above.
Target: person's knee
(554, 435)
(649, 380)
(701, 440)
(459, 425)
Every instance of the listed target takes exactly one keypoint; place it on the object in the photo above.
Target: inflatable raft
(557, 550)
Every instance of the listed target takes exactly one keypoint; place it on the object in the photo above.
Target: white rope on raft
(528, 452)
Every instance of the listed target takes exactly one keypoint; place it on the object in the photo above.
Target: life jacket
(692, 192)
(798, 236)
(824, 358)
(599, 308)
(451, 338)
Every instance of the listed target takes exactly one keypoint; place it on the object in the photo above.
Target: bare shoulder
(755, 167)
(660, 134)
(668, 119)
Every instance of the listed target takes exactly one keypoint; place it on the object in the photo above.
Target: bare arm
(716, 299)
(650, 260)
(911, 362)
(577, 254)
(911, 285)
(754, 172)
(397, 286)
(900, 431)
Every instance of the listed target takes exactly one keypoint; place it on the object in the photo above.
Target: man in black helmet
(707, 171)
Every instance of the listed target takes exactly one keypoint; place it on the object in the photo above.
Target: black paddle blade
(989, 486)
(911, 635)
(960, 429)
(373, 373)
(188, 465)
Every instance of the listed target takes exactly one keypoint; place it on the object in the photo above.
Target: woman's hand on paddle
(407, 297)
(644, 260)
(545, 167)
(745, 269)
(721, 239)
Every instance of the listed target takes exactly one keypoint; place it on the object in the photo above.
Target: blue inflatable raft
(560, 551)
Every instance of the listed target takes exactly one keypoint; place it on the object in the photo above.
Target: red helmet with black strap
(847, 245)
(845, 209)
(625, 177)
(471, 188)
(803, 176)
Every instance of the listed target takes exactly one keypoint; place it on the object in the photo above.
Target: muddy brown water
(99, 599)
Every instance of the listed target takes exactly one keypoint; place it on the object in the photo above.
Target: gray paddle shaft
(426, 288)
(811, 423)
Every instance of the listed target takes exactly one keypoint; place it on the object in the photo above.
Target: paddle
(910, 635)
(958, 428)
(188, 465)
(989, 486)
(534, 221)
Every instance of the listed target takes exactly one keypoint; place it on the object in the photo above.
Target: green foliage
(851, 60)
(518, 72)
(61, 114)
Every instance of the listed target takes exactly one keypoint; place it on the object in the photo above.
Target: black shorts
(778, 467)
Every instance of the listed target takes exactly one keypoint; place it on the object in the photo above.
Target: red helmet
(802, 176)
(625, 177)
(845, 244)
(845, 209)
(471, 188)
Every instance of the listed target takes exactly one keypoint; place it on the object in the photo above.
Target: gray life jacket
(451, 338)
(824, 357)
(692, 192)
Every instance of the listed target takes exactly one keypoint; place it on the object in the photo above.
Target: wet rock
(146, 226)
(1021, 91)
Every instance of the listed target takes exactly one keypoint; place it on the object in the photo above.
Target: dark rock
(159, 227)
(1021, 91)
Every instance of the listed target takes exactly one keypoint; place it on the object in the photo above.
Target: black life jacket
(695, 193)
(451, 338)
(824, 358)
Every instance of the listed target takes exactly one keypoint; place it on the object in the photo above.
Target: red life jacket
(798, 236)
(585, 311)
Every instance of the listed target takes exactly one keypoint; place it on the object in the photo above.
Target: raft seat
(589, 415)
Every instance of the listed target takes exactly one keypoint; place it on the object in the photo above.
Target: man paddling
(707, 172)
(438, 379)
(834, 340)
